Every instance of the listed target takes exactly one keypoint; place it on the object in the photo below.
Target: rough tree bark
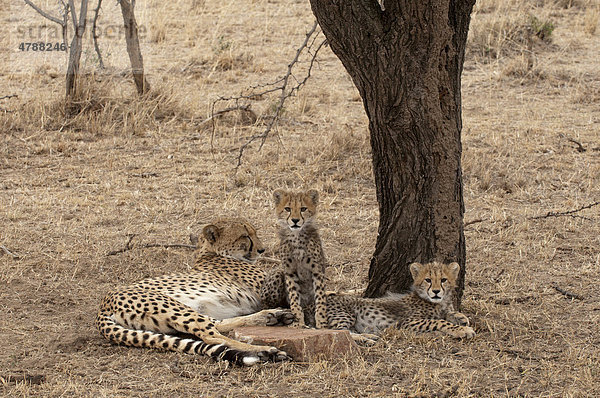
(133, 45)
(76, 46)
(406, 60)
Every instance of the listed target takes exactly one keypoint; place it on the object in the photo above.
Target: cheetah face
(233, 237)
(434, 281)
(295, 209)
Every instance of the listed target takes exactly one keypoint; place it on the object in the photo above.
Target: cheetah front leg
(270, 317)
(320, 300)
(293, 292)
(441, 325)
(457, 318)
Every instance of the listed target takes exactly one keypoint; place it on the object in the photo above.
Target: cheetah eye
(427, 280)
(444, 280)
(287, 209)
(303, 209)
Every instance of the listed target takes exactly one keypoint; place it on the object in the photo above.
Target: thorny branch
(287, 86)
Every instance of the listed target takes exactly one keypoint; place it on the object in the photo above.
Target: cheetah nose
(295, 220)
(260, 251)
(436, 292)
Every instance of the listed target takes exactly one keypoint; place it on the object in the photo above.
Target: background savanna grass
(76, 182)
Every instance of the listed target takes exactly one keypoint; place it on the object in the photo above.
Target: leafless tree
(133, 45)
(77, 42)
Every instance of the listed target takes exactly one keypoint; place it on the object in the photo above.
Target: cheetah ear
(313, 194)
(278, 195)
(415, 268)
(211, 233)
(453, 269)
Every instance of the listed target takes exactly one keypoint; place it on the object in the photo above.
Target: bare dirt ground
(72, 190)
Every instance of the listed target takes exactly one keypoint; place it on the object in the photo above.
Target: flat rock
(301, 344)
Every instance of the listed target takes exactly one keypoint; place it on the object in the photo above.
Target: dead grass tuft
(590, 21)
(100, 107)
(504, 29)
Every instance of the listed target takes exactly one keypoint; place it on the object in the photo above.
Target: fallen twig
(145, 175)
(129, 246)
(579, 148)
(8, 97)
(169, 245)
(126, 248)
(565, 213)
(567, 293)
(478, 220)
(9, 253)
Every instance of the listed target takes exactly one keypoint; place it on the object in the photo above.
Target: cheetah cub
(302, 256)
(427, 308)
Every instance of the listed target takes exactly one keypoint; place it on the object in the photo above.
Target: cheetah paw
(458, 318)
(298, 325)
(364, 339)
(279, 316)
(273, 354)
(465, 332)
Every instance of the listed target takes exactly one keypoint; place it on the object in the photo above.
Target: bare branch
(73, 15)
(43, 13)
(565, 213)
(287, 86)
(95, 35)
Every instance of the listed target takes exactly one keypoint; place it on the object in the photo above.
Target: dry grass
(72, 189)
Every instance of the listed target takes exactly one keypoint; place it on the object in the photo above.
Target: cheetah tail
(118, 334)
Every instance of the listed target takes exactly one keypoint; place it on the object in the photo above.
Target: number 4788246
(41, 46)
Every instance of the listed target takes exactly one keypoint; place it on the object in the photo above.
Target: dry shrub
(230, 60)
(100, 107)
(226, 57)
(343, 145)
(524, 66)
(565, 4)
(500, 29)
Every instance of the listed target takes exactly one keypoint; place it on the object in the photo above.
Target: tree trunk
(76, 46)
(406, 61)
(133, 46)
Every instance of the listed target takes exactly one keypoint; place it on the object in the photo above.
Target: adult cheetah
(189, 312)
